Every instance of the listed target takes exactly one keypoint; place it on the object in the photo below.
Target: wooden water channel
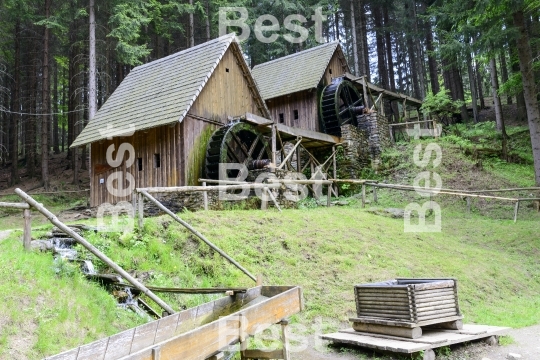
(200, 332)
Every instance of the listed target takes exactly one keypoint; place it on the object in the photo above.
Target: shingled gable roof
(161, 92)
(296, 72)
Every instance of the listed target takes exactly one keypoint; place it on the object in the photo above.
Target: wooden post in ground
(329, 196)
(205, 197)
(375, 199)
(363, 195)
(140, 212)
(264, 198)
(516, 209)
(334, 160)
(274, 148)
(27, 232)
(285, 338)
(469, 204)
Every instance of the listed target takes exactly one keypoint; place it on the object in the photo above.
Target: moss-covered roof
(157, 93)
(296, 72)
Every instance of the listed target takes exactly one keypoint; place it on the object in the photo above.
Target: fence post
(141, 210)
(27, 231)
(363, 195)
(205, 197)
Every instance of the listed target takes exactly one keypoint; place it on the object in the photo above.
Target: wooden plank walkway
(431, 338)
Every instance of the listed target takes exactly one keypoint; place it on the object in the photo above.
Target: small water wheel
(238, 143)
(340, 104)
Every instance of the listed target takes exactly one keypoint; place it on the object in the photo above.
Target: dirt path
(526, 343)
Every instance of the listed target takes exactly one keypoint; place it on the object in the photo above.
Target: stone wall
(356, 154)
(364, 144)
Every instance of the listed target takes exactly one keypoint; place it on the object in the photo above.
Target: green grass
(327, 252)
(50, 307)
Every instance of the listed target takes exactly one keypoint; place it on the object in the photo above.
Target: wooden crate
(407, 302)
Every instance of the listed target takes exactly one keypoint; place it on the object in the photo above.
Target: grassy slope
(49, 307)
(325, 251)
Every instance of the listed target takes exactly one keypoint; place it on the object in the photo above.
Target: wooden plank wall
(335, 68)
(226, 93)
(164, 140)
(306, 102)
(181, 146)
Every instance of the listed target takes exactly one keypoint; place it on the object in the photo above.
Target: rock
(513, 356)
(340, 203)
(41, 245)
(395, 213)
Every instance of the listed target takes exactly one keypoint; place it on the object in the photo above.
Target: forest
(60, 60)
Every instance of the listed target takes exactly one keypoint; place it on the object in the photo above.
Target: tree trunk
(354, 42)
(499, 118)
(191, 26)
(208, 36)
(480, 84)
(364, 48)
(472, 84)
(92, 64)
(55, 140)
(494, 92)
(504, 73)
(30, 135)
(16, 108)
(432, 61)
(46, 99)
(529, 93)
(394, 113)
(379, 37)
(521, 112)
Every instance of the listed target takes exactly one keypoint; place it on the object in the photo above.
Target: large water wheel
(340, 104)
(238, 143)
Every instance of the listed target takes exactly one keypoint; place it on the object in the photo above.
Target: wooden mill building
(167, 110)
(292, 85)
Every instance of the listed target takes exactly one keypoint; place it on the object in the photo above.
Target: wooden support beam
(274, 148)
(411, 333)
(299, 141)
(27, 231)
(205, 188)
(198, 234)
(273, 198)
(14, 205)
(66, 229)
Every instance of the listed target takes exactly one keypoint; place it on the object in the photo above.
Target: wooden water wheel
(340, 104)
(238, 143)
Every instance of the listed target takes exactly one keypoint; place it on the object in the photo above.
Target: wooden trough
(200, 332)
(401, 307)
